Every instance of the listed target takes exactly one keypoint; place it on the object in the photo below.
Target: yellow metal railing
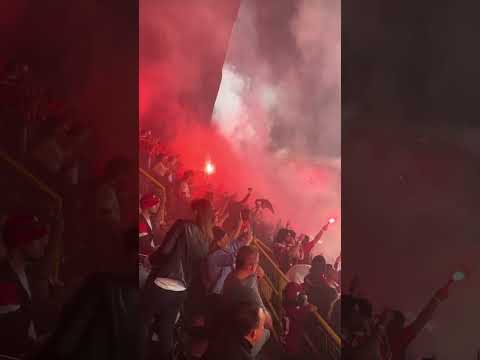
(163, 192)
(271, 288)
(324, 341)
(40, 184)
(57, 247)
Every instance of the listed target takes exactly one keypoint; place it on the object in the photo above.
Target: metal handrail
(331, 334)
(57, 258)
(39, 183)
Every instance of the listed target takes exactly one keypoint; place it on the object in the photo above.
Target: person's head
(248, 322)
(319, 266)
(220, 237)
(172, 162)
(365, 313)
(305, 239)
(204, 217)
(247, 260)
(292, 236)
(150, 203)
(282, 236)
(24, 235)
(159, 162)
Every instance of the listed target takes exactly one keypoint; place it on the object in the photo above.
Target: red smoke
(175, 91)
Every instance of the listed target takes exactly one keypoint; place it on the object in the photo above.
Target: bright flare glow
(331, 220)
(209, 168)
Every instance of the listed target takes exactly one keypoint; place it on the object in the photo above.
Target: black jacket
(181, 253)
(101, 322)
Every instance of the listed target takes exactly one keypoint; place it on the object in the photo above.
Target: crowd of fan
(50, 252)
(220, 269)
(212, 263)
(198, 258)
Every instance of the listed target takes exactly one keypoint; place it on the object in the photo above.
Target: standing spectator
(108, 189)
(401, 336)
(245, 333)
(182, 207)
(308, 245)
(185, 186)
(25, 239)
(51, 149)
(297, 311)
(221, 261)
(106, 221)
(242, 286)
(149, 205)
(176, 266)
(319, 292)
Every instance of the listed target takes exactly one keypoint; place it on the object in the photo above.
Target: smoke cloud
(276, 120)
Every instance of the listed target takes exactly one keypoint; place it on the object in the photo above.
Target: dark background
(88, 52)
(410, 169)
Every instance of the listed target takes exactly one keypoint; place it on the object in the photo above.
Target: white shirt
(170, 284)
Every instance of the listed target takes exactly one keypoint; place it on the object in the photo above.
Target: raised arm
(320, 234)
(426, 314)
(337, 262)
(245, 199)
(236, 231)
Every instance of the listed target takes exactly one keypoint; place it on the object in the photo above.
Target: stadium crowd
(229, 258)
(70, 274)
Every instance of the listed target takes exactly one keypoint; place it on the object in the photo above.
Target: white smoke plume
(283, 113)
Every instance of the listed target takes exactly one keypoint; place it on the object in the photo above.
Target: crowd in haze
(232, 253)
(83, 281)
(64, 244)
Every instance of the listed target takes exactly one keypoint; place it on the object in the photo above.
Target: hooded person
(25, 239)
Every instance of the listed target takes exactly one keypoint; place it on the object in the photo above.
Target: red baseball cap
(148, 201)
